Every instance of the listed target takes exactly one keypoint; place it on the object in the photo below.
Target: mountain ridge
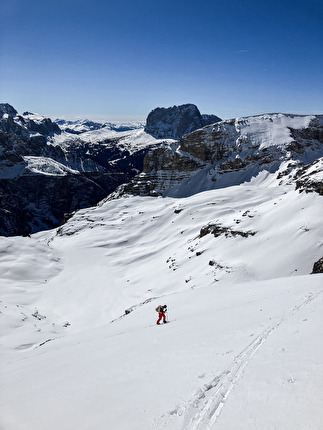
(41, 165)
(230, 152)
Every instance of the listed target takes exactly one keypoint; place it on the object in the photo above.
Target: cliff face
(36, 189)
(174, 122)
(45, 175)
(231, 152)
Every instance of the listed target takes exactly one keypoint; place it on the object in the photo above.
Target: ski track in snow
(204, 408)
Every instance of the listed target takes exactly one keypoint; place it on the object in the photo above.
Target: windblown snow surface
(243, 349)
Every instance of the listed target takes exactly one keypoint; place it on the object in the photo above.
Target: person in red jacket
(162, 313)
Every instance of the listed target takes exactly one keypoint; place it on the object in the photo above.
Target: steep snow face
(265, 131)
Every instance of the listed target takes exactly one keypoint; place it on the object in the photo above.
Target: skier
(161, 311)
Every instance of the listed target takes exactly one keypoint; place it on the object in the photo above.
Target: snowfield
(242, 351)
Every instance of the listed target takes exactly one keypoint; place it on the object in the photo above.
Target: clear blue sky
(119, 59)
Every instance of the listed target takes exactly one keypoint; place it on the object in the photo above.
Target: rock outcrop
(318, 266)
(174, 122)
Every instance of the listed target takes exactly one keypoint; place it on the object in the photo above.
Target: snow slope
(242, 350)
(271, 129)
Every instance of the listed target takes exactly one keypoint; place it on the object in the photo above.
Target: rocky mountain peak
(6, 108)
(27, 124)
(174, 122)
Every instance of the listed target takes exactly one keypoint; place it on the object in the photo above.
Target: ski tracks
(204, 408)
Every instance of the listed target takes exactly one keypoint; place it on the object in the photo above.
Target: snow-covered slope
(242, 350)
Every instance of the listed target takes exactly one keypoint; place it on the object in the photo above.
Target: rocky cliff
(45, 174)
(174, 122)
(233, 151)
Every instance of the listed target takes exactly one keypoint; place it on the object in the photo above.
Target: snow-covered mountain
(231, 152)
(225, 227)
(46, 173)
(85, 125)
(50, 169)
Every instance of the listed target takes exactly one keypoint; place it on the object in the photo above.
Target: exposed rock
(41, 183)
(26, 124)
(34, 202)
(174, 122)
(218, 230)
(6, 108)
(209, 119)
(310, 177)
(318, 266)
(230, 152)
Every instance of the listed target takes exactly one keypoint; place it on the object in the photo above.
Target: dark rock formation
(35, 202)
(318, 266)
(6, 108)
(208, 119)
(174, 122)
(25, 124)
(307, 178)
(41, 182)
(218, 230)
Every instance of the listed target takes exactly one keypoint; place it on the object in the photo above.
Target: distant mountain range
(85, 125)
(49, 169)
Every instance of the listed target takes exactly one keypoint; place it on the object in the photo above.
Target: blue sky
(120, 59)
